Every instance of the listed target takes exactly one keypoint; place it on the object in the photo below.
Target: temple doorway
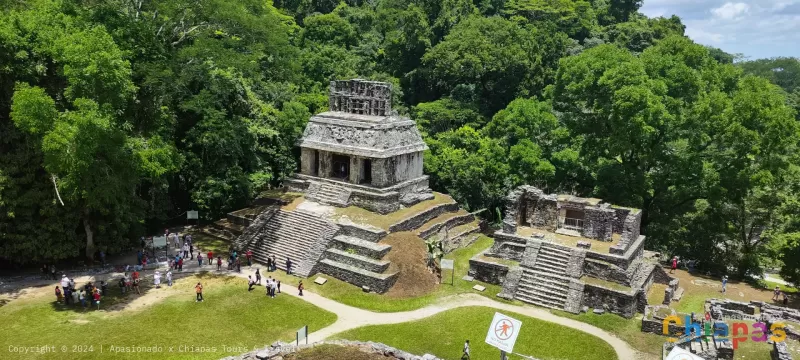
(366, 172)
(340, 168)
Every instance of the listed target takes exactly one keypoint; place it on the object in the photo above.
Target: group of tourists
(776, 294)
(68, 294)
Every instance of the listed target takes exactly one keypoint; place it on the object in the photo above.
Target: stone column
(355, 169)
(307, 161)
(325, 163)
(380, 173)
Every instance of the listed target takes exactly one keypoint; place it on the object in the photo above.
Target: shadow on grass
(115, 300)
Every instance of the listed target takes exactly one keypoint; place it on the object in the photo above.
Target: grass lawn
(656, 294)
(628, 330)
(352, 295)
(229, 317)
(443, 335)
(359, 215)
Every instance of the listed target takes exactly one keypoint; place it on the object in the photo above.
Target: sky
(755, 28)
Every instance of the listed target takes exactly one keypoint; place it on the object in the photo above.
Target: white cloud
(756, 28)
(731, 11)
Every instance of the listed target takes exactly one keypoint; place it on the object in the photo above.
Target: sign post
(302, 334)
(503, 333)
(449, 264)
(193, 215)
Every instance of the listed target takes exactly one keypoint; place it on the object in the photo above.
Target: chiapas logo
(722, 332)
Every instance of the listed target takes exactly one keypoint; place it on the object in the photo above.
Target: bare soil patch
(408, 257)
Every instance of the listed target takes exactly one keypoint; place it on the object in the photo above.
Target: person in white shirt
(169, 277)
(466, 350)
(157, 279)
(64, 282)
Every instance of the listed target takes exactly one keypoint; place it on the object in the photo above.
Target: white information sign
(302, 334)
(192, 215)
(159, 241)
(503, 332)
(681, 354)
(447, 264)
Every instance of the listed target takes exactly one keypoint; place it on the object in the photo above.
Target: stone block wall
(655, 325)
(780, 351)
(487, 271)
(507, 246)
(510, 283)
(531, 253)
(416, 220)
(575, 297)
(543, 211)
(598, 223)
(606, 271)
(359, 231)
(448, 224)
(620, 214)
(378, 285)
(575, 266)
(382, 204)
(613, 301)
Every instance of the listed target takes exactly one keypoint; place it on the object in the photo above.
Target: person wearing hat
(157, 279)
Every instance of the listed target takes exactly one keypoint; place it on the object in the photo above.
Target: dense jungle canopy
(118, 115)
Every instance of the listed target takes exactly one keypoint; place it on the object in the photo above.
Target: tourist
(136, 282)
(185, 250)
(258, 277)
(199, 291)
(288, 266)
(76, 297)
(269, 264)
(169, 277)
(724, 283)
(67, 295)
(144, 263)
(300, 288)
(674, 264)
(250, 283)
(199, 260)
(249, 256)
(785, 299)
(776, 293)
(278, 285)
(191, 251)
(466, 350)
(176, 241)
(59, 297)
(64, 281)
(82, 298)
(96, 297)
(157, 280)
(269, 286)
(274, 263)
(103, 287)
(72, 284)
(180, 264)
(53, 272)
(122, 285)
(219, 263)
(238, 265)
(210, 257)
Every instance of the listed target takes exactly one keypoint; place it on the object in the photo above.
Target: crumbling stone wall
(606, 271)
(598, 223)
(613, 301)
(510, 283)
(508, 246)
(487, 271)
(620, 214)
(417, 220)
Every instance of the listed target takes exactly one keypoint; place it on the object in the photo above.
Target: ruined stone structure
(558, 265)
(360, 152)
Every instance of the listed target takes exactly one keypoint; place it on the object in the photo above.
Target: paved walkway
(349, 317)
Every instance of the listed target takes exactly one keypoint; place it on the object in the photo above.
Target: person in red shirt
(249, 256)
(96, 297)
(674, 264)
(210, 257)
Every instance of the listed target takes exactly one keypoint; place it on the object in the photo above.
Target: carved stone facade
(360, 153)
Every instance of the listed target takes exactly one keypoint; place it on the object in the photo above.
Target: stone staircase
(329, 194)
(299, 235)
(546, 282)
(355, 257)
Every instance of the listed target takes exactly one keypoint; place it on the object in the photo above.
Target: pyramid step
(361, 246)
(554, 293)
(366, 263)
(547, 248)
(532, 282)
(535, 300)
(379, 283)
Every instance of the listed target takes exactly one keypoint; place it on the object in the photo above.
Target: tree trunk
(89, 239)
